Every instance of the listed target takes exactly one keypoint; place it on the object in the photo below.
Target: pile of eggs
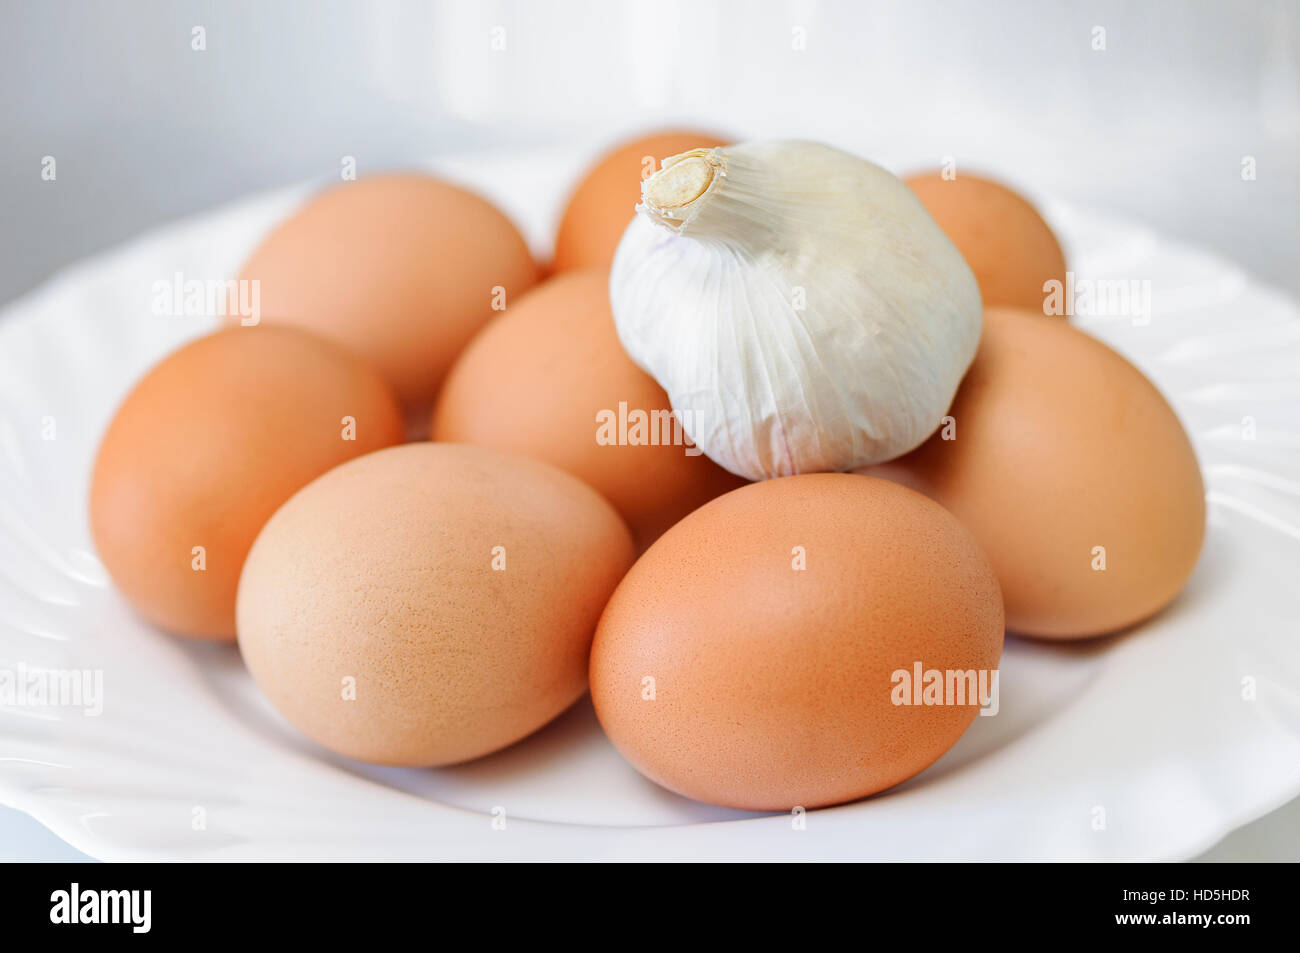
(425, 603)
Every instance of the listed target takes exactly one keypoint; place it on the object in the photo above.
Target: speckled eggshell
(1073, 472)
(605, 200)
(727, 673)
(403, 269)
(1008, 246)
(429, 603)
(535, 382)
(205, 448)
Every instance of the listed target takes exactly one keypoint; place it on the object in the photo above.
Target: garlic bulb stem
(675, 194)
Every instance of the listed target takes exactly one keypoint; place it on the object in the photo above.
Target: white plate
(1148, 732)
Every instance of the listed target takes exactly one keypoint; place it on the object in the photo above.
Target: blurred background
(157, 109)
(1146, 110)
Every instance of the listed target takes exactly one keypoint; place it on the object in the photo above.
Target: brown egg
(205, 448)
(429, 603)
(606, 199)
(1074, 474)
(402, 269)
(543, 378)
(752, 657)
(1005, 241)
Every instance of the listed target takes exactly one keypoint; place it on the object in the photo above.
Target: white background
(144, 128)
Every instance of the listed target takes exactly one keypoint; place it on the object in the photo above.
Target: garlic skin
(800, 307)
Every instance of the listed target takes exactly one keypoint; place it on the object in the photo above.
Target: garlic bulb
(797, 303)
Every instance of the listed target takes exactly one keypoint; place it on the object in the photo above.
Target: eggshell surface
(429, 603)
(403, 269)
(749, 658)
(1073, 472)
(549, 379)
(605, 200)
(205, 448)
(1003, 238)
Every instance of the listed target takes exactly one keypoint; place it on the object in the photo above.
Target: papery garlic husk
(800, 307)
